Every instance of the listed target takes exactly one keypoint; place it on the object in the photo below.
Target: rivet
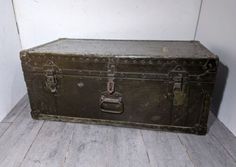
(143, 76)
(80, 84)
(179, 68)
(96, 60)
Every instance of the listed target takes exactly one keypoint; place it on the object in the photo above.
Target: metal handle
(112, 105)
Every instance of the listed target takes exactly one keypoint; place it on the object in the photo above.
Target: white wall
(45, 20)
(12, 86)
(217, 30)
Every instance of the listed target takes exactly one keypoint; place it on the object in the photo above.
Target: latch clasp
(179, 90)
(51, 81)
(111, 69)
(178, 82)
(179, 79)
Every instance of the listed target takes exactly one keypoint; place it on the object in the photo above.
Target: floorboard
(104, 146)
(50, 147)
(164, 149)
(3, 128)
(206, 151)
(224, 137)
(16, 111)
(16, 141)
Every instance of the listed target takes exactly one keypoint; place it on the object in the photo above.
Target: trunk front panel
(173, 93)
(144, 101)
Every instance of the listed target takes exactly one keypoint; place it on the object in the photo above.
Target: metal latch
(51, 80)
(111, 73)
(111, 70)
(178, 82)
(179, 90)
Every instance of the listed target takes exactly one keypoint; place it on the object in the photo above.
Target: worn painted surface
(160, 84)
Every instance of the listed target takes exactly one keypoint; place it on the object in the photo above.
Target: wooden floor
(25, 142)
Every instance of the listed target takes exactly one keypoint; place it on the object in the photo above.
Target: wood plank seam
(186, 150)
(31, 144)
(6, 128)
(222, 134)
(21, 102)
(68, 147)
(19, 112)
(17, 139)
(213, 136)
(214, 139)
(148, 157)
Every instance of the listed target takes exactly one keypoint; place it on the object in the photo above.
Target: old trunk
(153, 84)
